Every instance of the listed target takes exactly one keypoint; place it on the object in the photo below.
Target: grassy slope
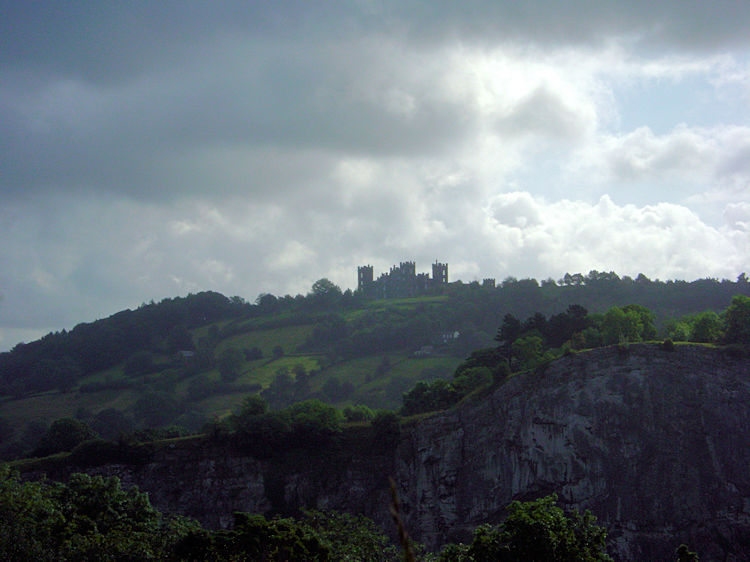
(53, 405)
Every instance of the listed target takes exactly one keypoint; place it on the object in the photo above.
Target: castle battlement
(401, 280)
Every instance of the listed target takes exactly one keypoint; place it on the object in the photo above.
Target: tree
(267, 303)
(180, 339)
(539, 531)
(630, 323)
(471, 379)
(509, 330)
(89, 518)
(313, 421)
(325, 292)
(139, 363)
(253, 405)
(110, 423)
(386, 428)
(280, 392)
(255, 538)
(353, 538)
(261, 434)
(528, 351)
(155, 409)
(358, 413)
(63, 435)
(737, 320)
(678, 330)
(229, 363)
(706, 327)
(429, 397)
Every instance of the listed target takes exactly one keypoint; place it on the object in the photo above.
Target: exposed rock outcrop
(655, 443)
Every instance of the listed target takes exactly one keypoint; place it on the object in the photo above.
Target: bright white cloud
(666, 241)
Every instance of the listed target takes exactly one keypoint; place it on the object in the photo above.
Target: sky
(153, 149)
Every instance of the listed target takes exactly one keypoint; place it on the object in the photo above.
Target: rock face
(655, 443)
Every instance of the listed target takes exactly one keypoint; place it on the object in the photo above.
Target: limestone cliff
(655, 443)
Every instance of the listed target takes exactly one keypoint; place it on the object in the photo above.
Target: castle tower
(440, 273)
(408, 269)
(364, 277)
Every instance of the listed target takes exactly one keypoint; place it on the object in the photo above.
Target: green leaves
(535, 531)
(89, 518)
(737, 320)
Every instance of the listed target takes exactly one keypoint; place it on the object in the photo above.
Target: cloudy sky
(152, 149)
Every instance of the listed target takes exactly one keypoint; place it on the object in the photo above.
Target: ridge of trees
(60, 359)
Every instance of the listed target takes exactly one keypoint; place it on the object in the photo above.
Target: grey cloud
(77, 136)
(541, 112)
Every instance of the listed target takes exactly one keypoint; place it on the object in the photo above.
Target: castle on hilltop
(401, 281)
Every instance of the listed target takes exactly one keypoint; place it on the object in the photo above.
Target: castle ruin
(401, 281)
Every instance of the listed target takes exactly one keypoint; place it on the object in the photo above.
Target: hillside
(650, 440)
(183, 362)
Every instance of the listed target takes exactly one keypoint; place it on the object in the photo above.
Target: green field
(289, 338)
